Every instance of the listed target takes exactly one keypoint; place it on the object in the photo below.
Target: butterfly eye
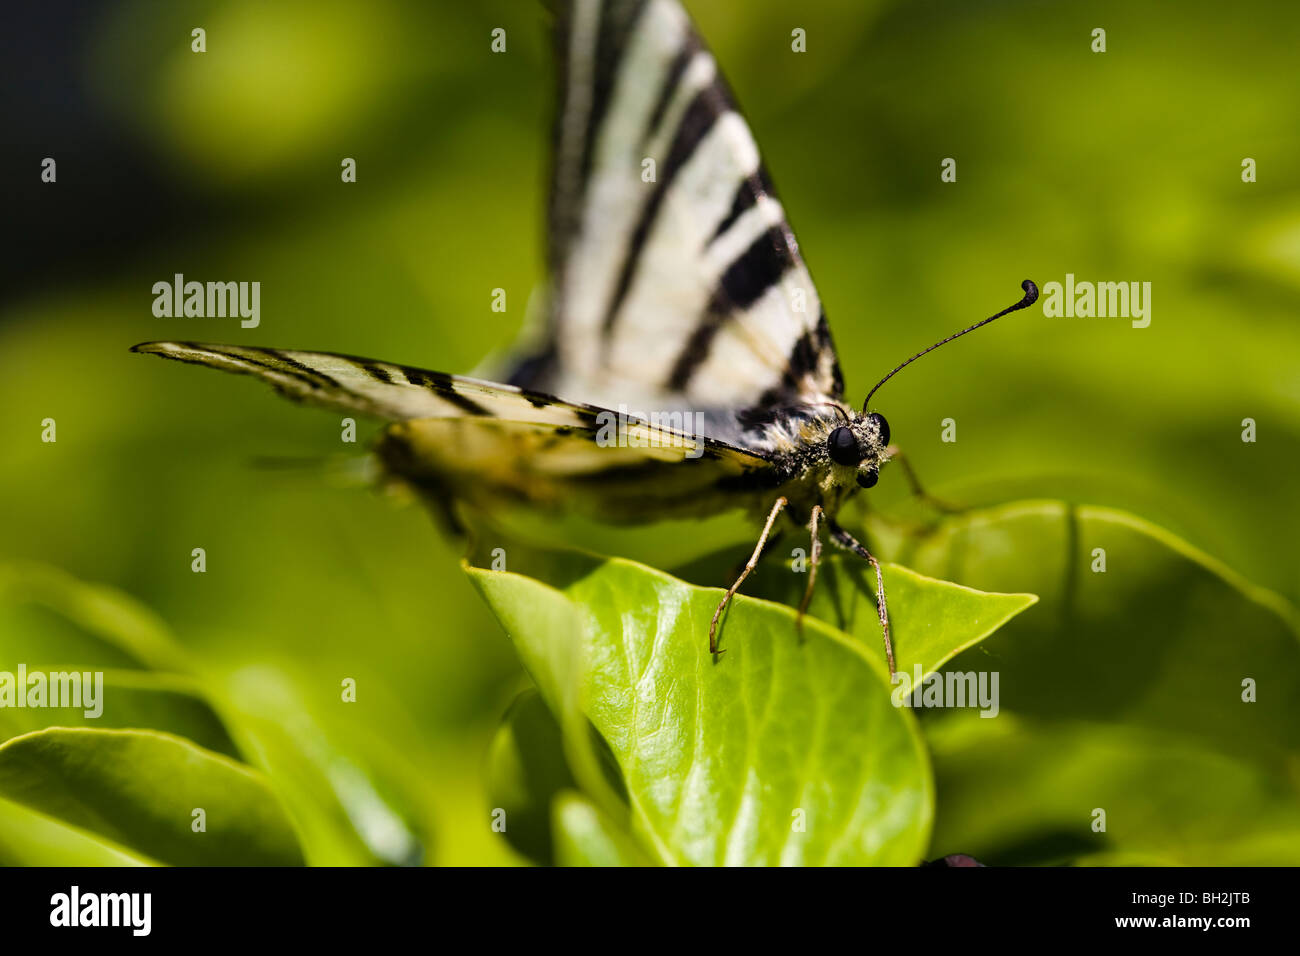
(868, 477)
(882, 427)
(843, 447)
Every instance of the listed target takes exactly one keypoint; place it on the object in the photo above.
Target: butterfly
(686, 366)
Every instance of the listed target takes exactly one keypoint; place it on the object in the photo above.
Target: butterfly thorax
(800, 440)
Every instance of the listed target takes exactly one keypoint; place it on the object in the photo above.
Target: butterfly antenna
(838, 411)
(1030, 297)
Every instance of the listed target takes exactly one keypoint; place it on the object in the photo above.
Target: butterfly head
(860, 443)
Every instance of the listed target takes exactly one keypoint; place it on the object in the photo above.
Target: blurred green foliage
(1115, 166)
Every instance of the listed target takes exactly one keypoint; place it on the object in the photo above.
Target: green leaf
(346, 816)
(140, 788)
(28, 838)
(1127, 690)
(334, 801)
(930, 620)
(1164, 638)
(132, 699)
(781, 751)
(526, 770)
(113, 617)
(1024, 792)
(585, 835)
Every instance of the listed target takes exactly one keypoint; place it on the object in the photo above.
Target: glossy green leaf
(140, 789)
(782, 750)
(930, 620)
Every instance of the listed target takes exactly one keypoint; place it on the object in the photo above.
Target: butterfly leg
(749, 566)
(849, 543)
(814, 557)
(773, 540)
(914, 483)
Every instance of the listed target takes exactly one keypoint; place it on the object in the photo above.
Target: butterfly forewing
(676, 277)
(381, 389)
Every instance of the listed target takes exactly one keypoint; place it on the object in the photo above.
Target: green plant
(638, 747)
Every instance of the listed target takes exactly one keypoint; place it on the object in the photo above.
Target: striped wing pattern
(687, 286)
(370, 387)
(492, 437)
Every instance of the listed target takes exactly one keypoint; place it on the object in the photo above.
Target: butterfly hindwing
(650, 475)
(675, 275)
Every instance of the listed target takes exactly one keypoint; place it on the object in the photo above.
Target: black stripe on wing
(710, 103)
(383, 389)
(747, 195)
(403, 393)
(672, 79)
(811, 355)
(758, 269)
(636, 81)
(575, 136)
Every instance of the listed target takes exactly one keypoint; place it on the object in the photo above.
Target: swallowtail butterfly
(686, 295)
